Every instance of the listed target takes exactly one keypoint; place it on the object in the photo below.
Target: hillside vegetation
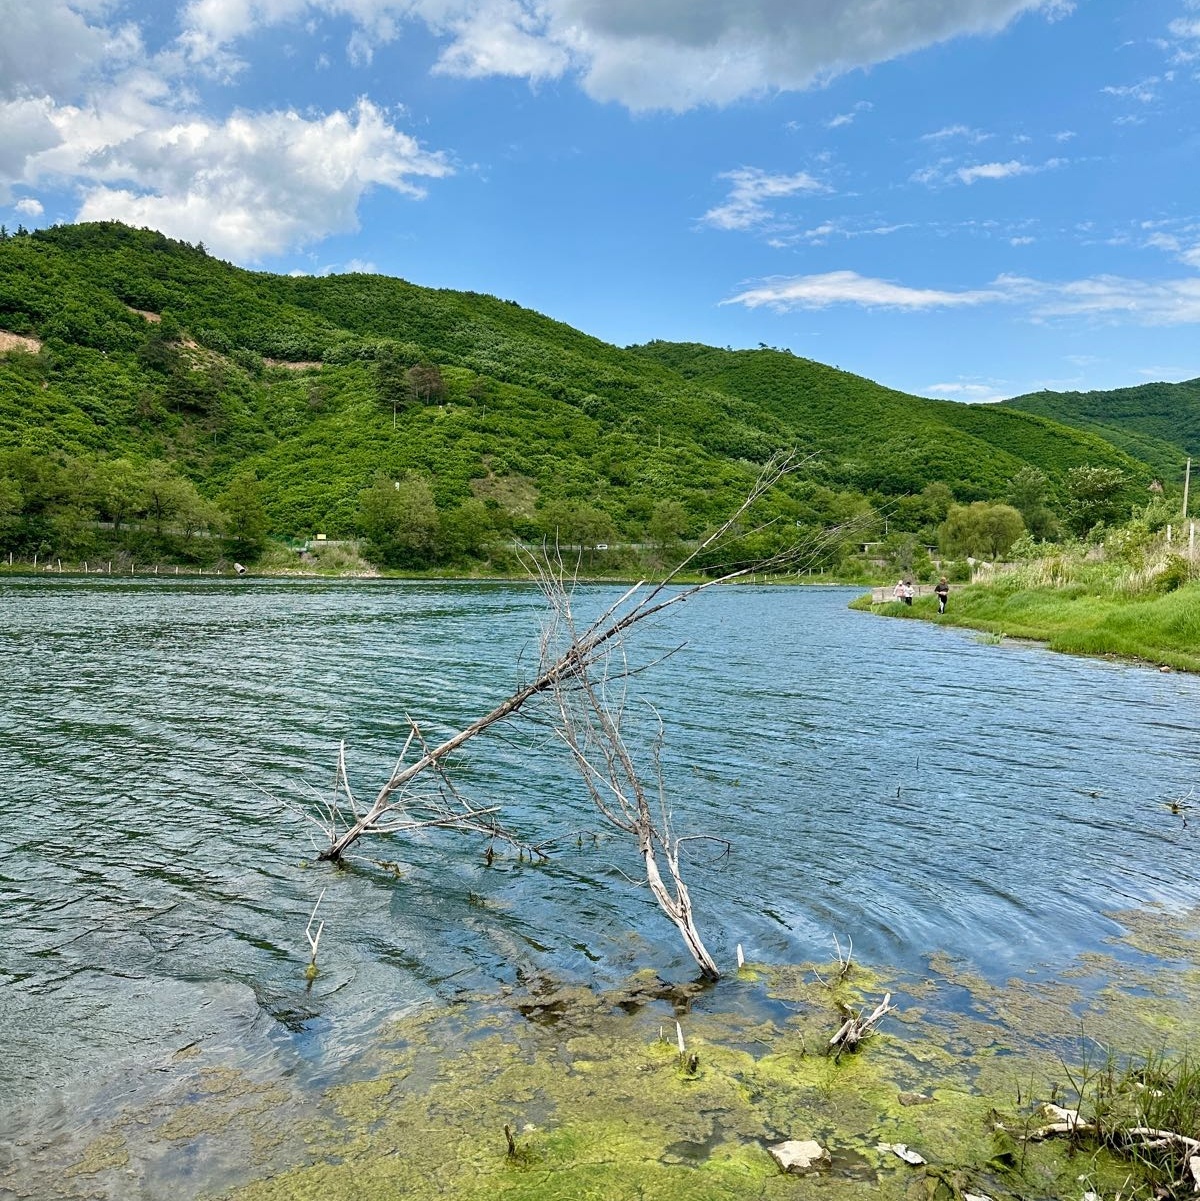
(1157, 423)
(160, 399)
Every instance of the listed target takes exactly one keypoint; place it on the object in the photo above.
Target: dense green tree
(465, 531)
(1094, 495)
(244, 516)
(12, 505)
(1029, 493)
(162, 493)
(119, 489)
(391, 367)
(667, 524)
(905, 554)
(426, 384)
(980, 530)
(573, 523)
(400, 521)
(195, 513)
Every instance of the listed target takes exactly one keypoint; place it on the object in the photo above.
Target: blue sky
(959, 198)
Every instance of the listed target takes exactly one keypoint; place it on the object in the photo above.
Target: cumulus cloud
(1111, 298)
(52, 49)
(256, 184)
(665, 55)
(30, 207)
(84, 107)
(251, 185)
(746, 206)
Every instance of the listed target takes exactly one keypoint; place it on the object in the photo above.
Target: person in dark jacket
(942, 590)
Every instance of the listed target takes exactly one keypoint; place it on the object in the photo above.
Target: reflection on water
(893, 781)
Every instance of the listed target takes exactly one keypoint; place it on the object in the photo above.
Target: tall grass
(1141, 602)
(1119, 1100)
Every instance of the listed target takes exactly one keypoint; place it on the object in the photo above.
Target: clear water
(892, 781)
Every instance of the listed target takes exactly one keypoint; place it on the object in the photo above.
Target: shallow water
(895, 782)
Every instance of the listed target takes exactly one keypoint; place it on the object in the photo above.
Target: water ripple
(893, 781)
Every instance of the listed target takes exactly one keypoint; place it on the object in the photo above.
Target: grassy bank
(1079, 608)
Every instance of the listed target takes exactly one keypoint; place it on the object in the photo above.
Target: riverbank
(368, 572)
(1156, 628)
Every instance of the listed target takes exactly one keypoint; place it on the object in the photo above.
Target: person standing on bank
(898, 591)
(942, 590)
(909, 592)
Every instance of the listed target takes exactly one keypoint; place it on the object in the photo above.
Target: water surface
(895, 782)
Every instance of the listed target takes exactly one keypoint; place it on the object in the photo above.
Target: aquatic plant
(1146, 1108)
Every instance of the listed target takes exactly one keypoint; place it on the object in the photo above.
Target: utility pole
(1187, 480)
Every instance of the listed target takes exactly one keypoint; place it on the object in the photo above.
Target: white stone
(799, 1155)
(903, 1152)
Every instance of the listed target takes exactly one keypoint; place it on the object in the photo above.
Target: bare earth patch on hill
(18, 342)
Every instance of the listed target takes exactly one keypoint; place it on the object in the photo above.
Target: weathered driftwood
(1144, 1138)
(397, 807)
(591, 713)
(856, 1027)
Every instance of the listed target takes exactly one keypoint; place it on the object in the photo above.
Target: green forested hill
(155, 360)
(889, 441)
(1157, 423)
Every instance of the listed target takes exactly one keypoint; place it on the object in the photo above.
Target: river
(898, 783)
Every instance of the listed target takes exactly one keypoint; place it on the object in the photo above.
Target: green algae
(602, 1107)
(600, 1104)
(102, 1154)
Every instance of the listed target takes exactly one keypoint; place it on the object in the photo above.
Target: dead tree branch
(858, 1025)
(406, 809)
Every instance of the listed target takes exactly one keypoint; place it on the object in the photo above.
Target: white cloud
(1141, 302)
(969, 175)
(978, 171)
(658, 55)
(1023, 240)
(841, 119)
(745, 207)
(971, 393)
(1107, 298)
(848, 287)
(1185, 248)
(50, 49)
(248, 186)
(944, 172)
(1143, 92)
(973, 136)
(29, 207)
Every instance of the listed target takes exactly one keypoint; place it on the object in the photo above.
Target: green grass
(1079, 617)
